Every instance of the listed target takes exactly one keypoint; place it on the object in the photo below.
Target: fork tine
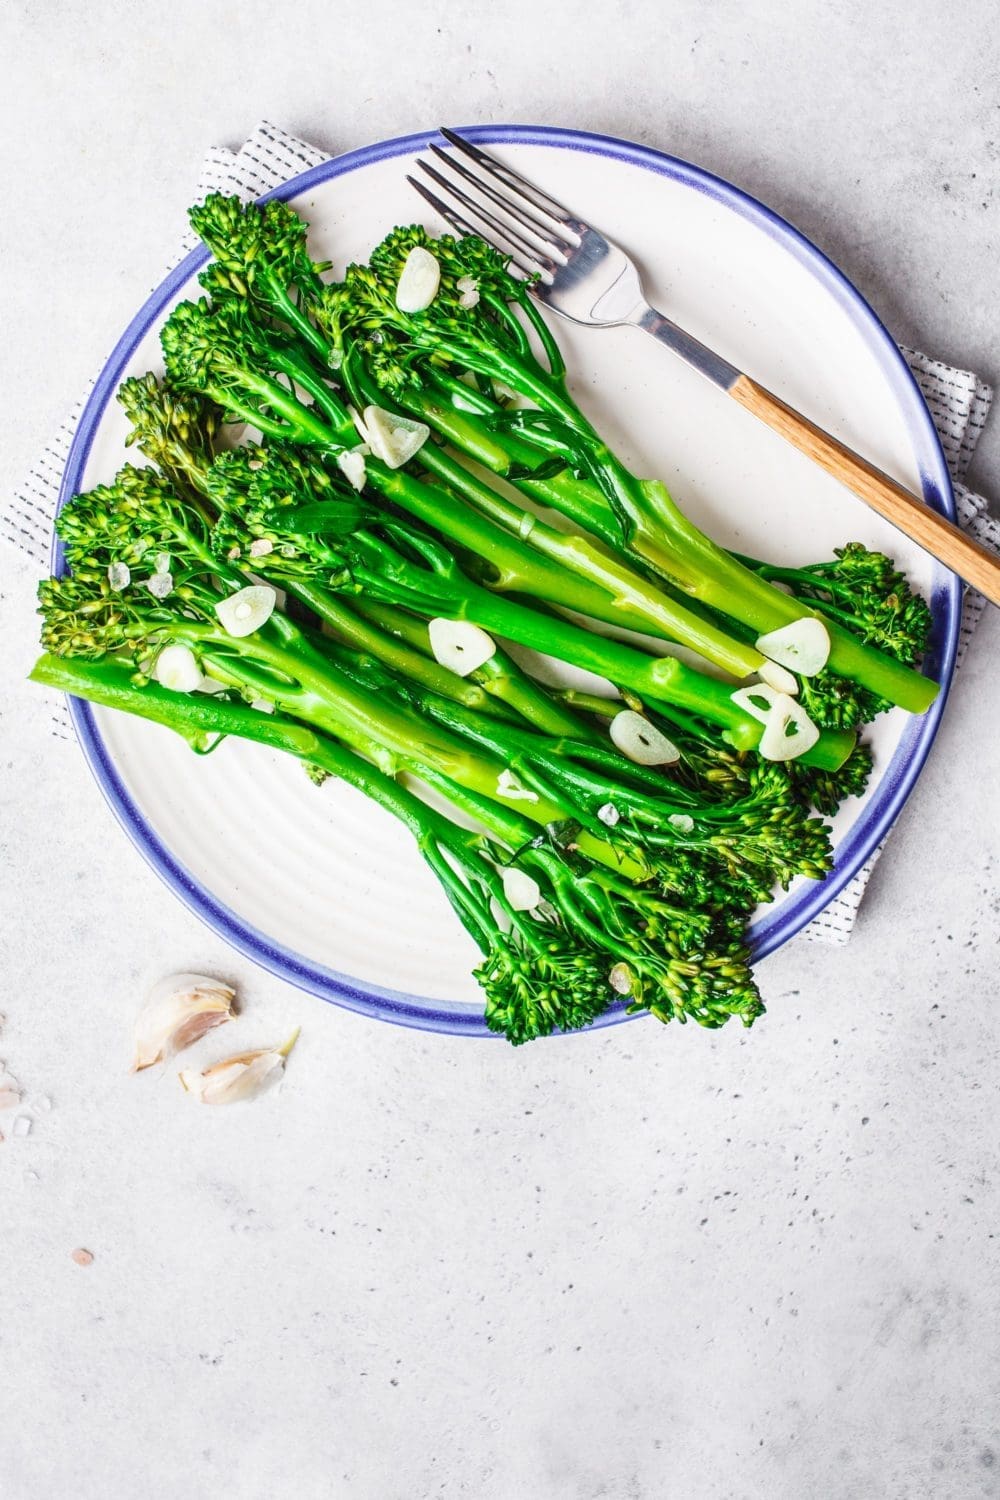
(520, 215)
(549, 263)
(507, 175)
(462, 226)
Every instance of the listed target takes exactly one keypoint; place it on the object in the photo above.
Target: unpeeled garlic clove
(240, 1078)
(178, 1010)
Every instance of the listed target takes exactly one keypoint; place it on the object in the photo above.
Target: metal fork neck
(716, 369)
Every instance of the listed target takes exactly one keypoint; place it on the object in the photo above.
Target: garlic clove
(393, 438)
(641, 741)
(459, 645)
(418, 281)
(179, 1009)
(803, 646)
(177, 668)
(247, 610)
(237, 1079)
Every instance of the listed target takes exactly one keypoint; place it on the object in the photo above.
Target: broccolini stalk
(96, 612)
(237, 364)
(763, 839)
(500, 677)
(549, 967)
(403, 567)
(261, 257)
(537, 974)
(866, 593)
(644, 518)
(632, 601)
(670, 961)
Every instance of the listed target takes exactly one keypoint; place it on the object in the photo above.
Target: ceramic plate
(326, 890)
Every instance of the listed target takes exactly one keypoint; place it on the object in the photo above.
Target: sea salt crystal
(160, 585)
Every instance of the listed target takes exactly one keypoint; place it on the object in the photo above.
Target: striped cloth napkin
(958, 400)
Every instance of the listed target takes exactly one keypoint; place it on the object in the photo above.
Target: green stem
(500, 677)
(716, 577)
(110, 685)
(363, 635)
(381, 728)
(678, 552)
(653, 678)
(626, 599)
(288, 309)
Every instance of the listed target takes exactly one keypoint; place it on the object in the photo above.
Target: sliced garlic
(239, 1078)
(359, 423)
(468, 290)
(261, 547)
(119, 576)
(803, 646)
(177, 668)
(609, 814)
(211, 685)
(178, 1010)
(394, 439)
(508, 786)
(246, 611)
(418, 281)
(757, 700)
(522, 891)
(779, 678)
(788, 732)
(352, 466)
(459, 645)
(641, 741)
(161, 562)
(683, 822)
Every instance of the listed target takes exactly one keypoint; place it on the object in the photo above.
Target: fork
(586, 277)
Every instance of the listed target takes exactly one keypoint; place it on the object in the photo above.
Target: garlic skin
(238, 1079)
(178, 1010)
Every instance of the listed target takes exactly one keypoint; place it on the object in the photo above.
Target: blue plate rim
(860, 842)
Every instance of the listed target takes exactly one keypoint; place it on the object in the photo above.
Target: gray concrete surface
(638, 1265)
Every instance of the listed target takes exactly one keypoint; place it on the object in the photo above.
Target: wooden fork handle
(976, 564)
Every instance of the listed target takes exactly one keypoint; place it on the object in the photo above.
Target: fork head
(577, 270)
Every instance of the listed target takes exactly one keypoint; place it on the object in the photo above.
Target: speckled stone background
(637, 1265)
